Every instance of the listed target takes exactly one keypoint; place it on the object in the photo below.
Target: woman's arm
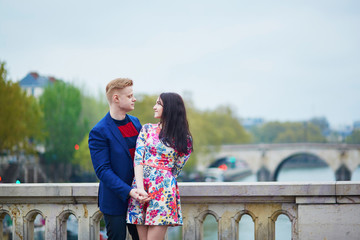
(139, 160)
(139, 178)
(181, 160)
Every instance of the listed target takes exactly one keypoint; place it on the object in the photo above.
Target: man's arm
(100, 157)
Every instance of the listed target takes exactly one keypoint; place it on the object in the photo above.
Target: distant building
(34, 84)
(356, 125)
(344, 132)
(248, 123)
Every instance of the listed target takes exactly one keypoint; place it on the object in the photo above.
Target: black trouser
(116, 228)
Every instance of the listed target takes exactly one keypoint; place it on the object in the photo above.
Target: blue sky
(279, 60)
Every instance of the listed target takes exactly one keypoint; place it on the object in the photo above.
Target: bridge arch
(299, 159)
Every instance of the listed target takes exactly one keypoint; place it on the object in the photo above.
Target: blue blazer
(112, 164)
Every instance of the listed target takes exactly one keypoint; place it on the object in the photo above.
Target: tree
(268, 132)
(20, 118)
(82, 156)
(227, 126)
(322, 123)
(209, 128)
(354, 138)
(300, 132)
(288, 132)
(144, 108)
(92, 110)
(61, 104)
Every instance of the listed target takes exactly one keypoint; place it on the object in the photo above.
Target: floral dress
(161, 164)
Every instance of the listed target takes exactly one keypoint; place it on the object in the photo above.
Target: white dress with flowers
(161, 164)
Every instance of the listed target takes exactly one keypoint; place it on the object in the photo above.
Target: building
(249, 123)
(356, 125)
(34, 84)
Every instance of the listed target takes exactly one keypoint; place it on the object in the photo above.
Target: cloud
(278, 60)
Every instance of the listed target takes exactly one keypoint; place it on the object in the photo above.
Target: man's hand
(139, 195)
(134, 194)
(144, 197)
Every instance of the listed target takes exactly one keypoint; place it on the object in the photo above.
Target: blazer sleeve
(100, 157)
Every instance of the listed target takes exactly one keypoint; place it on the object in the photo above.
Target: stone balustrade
(316, 210)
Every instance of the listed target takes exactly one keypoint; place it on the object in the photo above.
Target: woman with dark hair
(161, 152)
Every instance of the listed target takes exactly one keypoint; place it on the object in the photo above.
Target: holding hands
(140, 195)
(144, 197)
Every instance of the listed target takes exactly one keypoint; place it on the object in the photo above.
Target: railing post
(18, 223)
(226, 227)
(84, 228)
(50, 227)
(86, 223)
(262, 230)
(263, 212)
(189, 225)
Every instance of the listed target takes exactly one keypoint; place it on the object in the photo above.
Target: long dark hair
(175, 127)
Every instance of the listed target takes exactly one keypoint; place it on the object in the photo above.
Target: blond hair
(116, 84)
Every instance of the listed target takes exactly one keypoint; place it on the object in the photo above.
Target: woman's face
(158, 108)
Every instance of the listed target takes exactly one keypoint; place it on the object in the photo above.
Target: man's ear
(115, 98)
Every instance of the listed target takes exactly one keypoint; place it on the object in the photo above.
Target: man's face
(126, 99)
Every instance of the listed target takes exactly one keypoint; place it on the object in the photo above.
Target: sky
(277, 60)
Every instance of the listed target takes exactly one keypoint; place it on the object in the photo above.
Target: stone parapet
(316, 210)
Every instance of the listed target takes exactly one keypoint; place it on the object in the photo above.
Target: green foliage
(20, 118)
(322, 123)
(288, 132)
(226, 125)
(354, 138)
(82, 156)
(209, 128)
(144, 108)
(61, 104)
(92, 110)
(268, 132)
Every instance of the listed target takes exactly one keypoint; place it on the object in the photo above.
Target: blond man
(112, 145)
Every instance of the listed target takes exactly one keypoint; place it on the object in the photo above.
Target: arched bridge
(267, 159)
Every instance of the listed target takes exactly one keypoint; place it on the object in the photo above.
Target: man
(112, 146)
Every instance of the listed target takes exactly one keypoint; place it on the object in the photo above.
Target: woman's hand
(143, 196)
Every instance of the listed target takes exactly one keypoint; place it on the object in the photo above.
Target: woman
(161, 152)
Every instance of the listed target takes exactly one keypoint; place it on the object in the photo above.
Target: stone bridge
(266, 160)
(315, 211)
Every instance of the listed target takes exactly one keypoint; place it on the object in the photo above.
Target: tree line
(64, 114)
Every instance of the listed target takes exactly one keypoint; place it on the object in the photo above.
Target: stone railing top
(189, 191)
(270, 188)
(49, 192)
(269, 146)
(265, 191)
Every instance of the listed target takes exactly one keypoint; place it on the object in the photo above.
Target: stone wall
(326, 210)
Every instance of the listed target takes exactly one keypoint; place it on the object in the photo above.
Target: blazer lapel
(116, 132)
